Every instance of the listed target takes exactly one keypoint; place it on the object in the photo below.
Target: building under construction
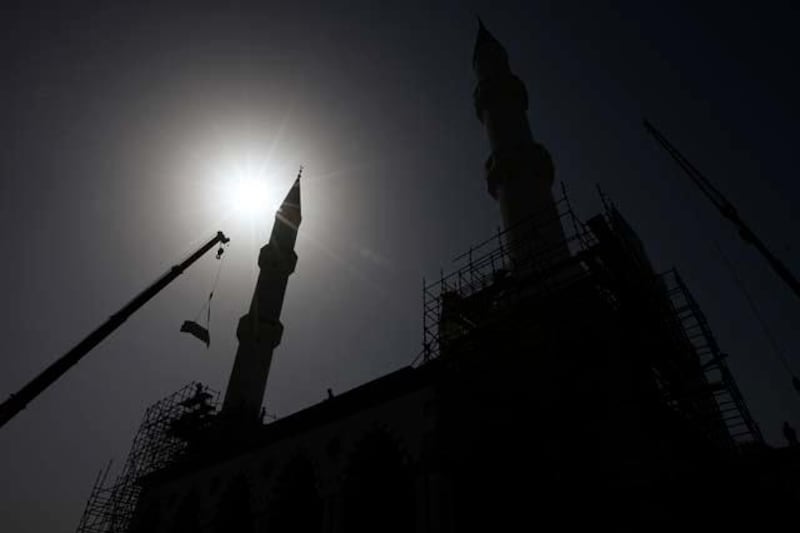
(562, 382)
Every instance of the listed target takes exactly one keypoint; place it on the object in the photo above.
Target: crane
(19, 400)
(726, 209)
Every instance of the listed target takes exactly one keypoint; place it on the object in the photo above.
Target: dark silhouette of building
(562, 383)
(790, 434)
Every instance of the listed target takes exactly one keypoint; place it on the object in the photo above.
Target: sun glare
(248, 196)
(251, 193)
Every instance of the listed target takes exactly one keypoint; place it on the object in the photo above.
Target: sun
(248, 195)
(251, 191)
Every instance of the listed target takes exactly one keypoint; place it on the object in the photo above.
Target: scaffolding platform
(731, 407)
(491, 263)
(166, 431)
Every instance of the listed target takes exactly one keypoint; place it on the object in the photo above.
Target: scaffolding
(675, 339)
(167, 429)
(489, 265)
(719, 382)
(686, 362)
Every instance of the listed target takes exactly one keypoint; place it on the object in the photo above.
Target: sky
(124, 125)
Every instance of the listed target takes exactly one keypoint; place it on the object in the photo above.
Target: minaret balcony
(502, 166)
(277, 259)
(255, 332)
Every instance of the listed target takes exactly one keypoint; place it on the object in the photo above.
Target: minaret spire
(519, 171)
(485, 42)
(260, 330)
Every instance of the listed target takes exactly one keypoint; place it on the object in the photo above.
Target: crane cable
(193, 327)
(728, 211)
(776, 348)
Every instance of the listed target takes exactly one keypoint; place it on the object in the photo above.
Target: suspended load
(193, 328)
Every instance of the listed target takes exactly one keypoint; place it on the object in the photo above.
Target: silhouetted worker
(790, 434)
(330, 394)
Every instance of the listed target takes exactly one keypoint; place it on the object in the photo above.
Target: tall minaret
(519, 170)
(260, 330)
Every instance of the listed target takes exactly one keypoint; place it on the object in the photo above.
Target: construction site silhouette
(562, 383)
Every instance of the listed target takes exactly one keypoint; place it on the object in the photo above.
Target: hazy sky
(122, 127)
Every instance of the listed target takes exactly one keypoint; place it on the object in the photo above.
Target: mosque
(563, 383)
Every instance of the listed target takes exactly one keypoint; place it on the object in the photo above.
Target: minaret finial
(289, 211)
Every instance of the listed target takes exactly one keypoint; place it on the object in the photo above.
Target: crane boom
(19, 400)
(726, 209)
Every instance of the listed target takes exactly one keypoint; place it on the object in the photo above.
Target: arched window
(296, 505)
(378, 490)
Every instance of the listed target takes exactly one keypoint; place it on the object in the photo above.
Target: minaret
(519, 171)
(260, 330)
